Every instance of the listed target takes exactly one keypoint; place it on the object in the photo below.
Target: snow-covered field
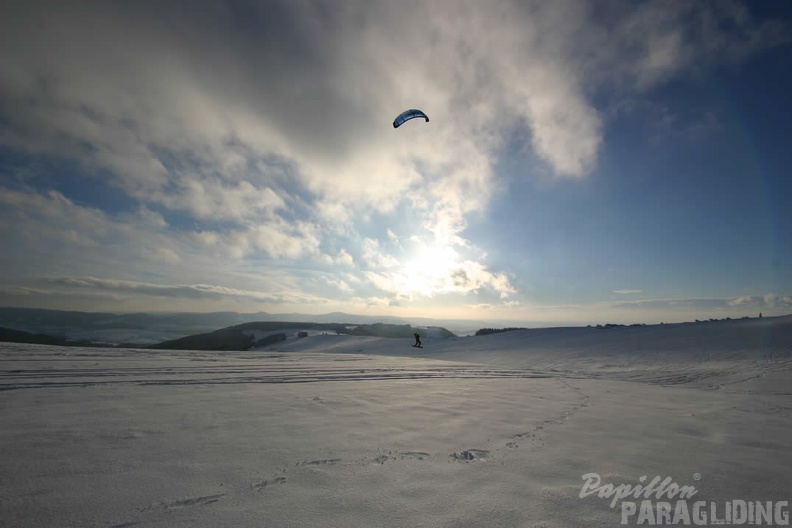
(331, 430)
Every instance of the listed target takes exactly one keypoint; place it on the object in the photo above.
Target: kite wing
(407, 115)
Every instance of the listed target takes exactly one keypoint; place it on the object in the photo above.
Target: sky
(584, 162)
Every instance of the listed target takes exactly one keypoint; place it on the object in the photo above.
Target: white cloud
(320, 88)
(345, 258)
(165, 255)
(375, 258)
(37, 224)
(369, 302)
(321, 94)
(212, 199)
(198, 292)
(439, 271)
(730, 305)
(341, 286)
(769, 301)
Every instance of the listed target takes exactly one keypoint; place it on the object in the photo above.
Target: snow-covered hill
(512, 429)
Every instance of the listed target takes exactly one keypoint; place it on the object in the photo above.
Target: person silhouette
(417, 340)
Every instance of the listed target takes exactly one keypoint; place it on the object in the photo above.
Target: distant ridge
(249, 335)
(8, 335)
(148, 328)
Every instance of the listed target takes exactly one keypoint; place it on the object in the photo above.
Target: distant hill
(393, 330)
(117, 328)
(249, 335)
(8, 335)
(211, 331)
(487, 331)
(150, 328)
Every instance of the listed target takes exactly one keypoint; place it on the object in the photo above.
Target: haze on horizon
(610, 162)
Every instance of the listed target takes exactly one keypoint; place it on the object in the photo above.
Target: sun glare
(431, 271)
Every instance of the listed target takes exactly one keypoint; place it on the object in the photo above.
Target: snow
(332, 430)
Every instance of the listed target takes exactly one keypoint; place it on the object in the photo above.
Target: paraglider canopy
(407, 115)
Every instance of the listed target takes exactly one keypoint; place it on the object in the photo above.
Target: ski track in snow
(106, 367)
(270, 368)
(102, 367)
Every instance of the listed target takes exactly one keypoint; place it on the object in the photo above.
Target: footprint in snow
(470, 455)
(271, 482)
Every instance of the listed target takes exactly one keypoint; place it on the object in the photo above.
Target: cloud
(165, 255)
(732, 305)
(345, 258)
(769, 301)
(180, 105)
(375, 258)
(627, 292)
(341, 285)
(140, 85)
(181, 291)
(393, 237)
(216, 200)
(48, 231)
(448, 275)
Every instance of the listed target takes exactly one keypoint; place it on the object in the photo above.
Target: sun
(431, 271)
